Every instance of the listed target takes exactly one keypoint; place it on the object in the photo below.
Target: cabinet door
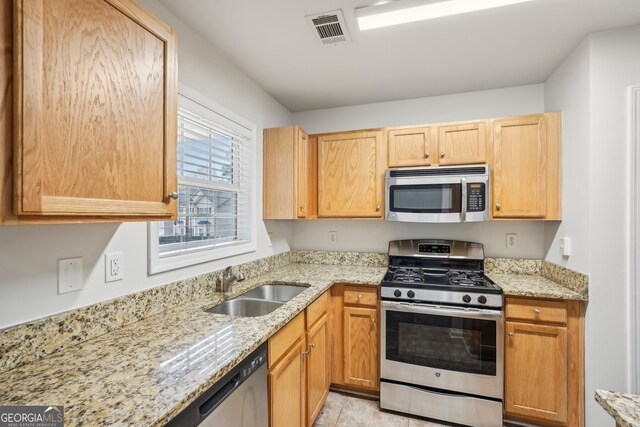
(351, 175)
(409, 147)
(96, 111)
(302, 202)
(361, 347)
(287, 389)
(319, 368)
(536, 371)
(519, 169)
(462, 144)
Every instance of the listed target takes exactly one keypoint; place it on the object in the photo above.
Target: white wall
(596, 148)
(375, 235)
(29, 254)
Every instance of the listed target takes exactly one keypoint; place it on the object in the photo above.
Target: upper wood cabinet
(526, 167)
(351, 169)
(447, 144)
(409, 147)
(460, 144)
(94, 111)
(290, 177)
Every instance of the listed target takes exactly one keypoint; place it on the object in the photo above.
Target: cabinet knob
(377, 207)
(511, 335)
(498, 206)
(373, 320)
(173, 195)
(359, 296)
(305, 353)
(442, 155)
(426, 155)
(312, 345)
(536, 311)
(301, 207)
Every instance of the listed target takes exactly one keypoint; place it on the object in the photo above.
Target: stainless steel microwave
(438, 194)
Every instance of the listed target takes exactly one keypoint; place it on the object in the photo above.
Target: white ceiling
(274, 44)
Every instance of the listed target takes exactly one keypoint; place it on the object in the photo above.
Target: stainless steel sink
(246, 307)
(282, 293)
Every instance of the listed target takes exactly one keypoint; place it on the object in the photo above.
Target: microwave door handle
(463, 214)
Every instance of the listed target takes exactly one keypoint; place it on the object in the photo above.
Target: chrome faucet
(228, 278)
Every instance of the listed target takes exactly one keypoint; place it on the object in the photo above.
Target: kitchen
(588, 81)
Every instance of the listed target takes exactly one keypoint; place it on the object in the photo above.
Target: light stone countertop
(533, 286)
(147, 372)
(623, 407)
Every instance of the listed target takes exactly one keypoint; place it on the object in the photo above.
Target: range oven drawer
(466, 410)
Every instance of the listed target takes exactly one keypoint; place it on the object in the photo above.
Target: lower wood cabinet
(299, 367)
(355, 337)
(544, 368)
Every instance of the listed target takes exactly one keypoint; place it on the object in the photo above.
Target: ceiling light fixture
(401, 12)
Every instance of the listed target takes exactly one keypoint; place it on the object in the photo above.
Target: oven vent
(478, 170)
(329, 27)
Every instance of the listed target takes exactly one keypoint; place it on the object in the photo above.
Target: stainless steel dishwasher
(239, 399)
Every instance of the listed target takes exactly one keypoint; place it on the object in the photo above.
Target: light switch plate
(70, 275)
(565, 246)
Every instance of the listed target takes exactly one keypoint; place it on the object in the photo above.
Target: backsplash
(512, 266)
(577, 282)
(362, 259)
(30, 341)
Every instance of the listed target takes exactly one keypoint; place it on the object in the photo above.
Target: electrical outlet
(333, 237)
(70, 275)
(565, 246)
(113, 266)
(512, 240)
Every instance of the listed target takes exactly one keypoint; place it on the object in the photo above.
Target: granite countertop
(147, 372)
(533, 286)
(623, 407)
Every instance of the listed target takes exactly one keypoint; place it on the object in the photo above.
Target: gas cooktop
(439, 271)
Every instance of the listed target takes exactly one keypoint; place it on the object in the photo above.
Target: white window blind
(214, 187)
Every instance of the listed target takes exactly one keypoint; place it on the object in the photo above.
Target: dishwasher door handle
(219, 396)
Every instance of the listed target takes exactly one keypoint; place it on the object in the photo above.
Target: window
(215, 174)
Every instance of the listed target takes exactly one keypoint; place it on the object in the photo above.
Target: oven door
(447, 348)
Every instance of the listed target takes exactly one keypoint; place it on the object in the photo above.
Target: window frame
(158, 264)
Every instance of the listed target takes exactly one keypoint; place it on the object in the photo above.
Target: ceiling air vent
(329, 27)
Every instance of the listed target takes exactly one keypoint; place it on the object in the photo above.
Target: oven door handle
(443, 311)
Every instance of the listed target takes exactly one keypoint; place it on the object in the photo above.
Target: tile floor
(341, 410)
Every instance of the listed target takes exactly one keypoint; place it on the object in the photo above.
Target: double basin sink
(259, 301)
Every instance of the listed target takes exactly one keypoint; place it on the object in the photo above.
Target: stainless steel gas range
(442, 351)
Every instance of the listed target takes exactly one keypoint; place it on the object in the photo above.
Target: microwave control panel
(476, 197)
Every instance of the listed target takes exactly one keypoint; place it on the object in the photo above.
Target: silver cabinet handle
(442, 155)
(536, 311)
(426, 155)
(498, 206)
(511, 335)
(312, 345)
(305, 353)
(173, 195)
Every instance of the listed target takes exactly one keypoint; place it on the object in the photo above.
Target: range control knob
(482, 299)
(397, 293)
(411, 294)
(466, 298)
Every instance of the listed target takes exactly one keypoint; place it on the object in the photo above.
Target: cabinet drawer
(360, 296)
(536, 310)
(285, 338)
(317, 309)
